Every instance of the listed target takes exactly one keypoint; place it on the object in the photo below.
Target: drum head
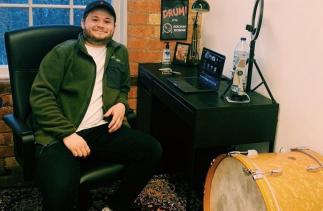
(233, 189)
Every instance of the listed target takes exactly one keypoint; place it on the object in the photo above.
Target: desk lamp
(199, 6)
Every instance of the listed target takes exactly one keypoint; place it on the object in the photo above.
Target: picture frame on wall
(174, 20)
(181, 53)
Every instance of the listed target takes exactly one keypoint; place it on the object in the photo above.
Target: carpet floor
(163, 192)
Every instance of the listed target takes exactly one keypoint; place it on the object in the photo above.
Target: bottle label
(240, 64)
(166, 57)
(239, 74)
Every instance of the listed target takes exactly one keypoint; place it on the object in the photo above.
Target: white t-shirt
(94, 114)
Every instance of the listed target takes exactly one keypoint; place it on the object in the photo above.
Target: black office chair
(25, 49)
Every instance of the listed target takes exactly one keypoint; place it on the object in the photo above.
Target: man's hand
(117, 111)
(77, 145)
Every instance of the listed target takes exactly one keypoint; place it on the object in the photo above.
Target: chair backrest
(25, 50)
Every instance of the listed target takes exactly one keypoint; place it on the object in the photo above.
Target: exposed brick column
(6, 142)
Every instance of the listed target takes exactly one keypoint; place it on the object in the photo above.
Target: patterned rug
(163, 193)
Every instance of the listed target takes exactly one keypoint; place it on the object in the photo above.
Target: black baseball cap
(99, 4)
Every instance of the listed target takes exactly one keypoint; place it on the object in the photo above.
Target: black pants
(58, 171)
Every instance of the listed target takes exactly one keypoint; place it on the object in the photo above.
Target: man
(80, 82)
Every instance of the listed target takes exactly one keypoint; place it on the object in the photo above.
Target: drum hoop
(208, 181)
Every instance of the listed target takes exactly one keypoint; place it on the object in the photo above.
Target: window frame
(120, 7)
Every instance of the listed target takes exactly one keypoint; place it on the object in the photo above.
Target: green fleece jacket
(62, 89)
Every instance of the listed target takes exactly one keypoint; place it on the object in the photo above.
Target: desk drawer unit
(167, 98)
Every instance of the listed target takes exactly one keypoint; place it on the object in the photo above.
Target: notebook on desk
(209, 74)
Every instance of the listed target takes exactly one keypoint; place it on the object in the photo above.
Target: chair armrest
(131, 117)
(24, 145)
(19, 128)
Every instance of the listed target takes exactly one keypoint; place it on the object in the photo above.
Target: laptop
(209, 74)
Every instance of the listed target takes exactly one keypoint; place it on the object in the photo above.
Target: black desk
(186, 124)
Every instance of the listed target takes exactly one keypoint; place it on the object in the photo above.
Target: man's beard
(95, 41)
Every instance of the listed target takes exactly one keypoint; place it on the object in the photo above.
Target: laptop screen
(211, 65)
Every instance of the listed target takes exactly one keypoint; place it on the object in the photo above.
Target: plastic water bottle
(166, 55)
(241, 55)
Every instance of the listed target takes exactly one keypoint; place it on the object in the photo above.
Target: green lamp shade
(200, 6)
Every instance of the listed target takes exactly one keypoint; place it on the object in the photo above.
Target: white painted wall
(289, 51)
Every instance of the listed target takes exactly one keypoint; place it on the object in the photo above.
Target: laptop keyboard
(192, 84)
(182, 83)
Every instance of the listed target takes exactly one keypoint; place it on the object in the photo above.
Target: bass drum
(270, 181)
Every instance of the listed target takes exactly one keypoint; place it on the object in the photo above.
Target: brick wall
(144, 42)
(6, 143)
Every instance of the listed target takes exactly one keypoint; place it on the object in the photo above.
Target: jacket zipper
(86, 105)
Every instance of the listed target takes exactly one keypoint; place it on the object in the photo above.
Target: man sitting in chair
(80, 83)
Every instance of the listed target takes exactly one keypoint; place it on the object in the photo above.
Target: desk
(186, 124)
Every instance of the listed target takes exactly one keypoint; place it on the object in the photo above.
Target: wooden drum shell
(229, 185)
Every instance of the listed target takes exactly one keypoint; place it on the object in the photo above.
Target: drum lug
(255, 173)
(276, 172)
(313, 168)
(259, 174)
